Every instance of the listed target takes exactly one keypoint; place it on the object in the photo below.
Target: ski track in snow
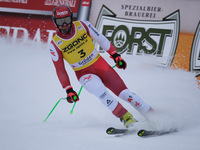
(30, 88)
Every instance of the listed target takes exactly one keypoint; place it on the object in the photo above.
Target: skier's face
(65, 28)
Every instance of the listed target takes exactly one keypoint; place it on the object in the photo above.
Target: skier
(73, 42)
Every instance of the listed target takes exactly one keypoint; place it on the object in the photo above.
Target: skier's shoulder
(86, 23)
(83, 22)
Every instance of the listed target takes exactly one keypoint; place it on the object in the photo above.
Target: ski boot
(128, 120)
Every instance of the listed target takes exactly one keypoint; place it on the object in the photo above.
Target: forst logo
(145, 40)
(155, 38)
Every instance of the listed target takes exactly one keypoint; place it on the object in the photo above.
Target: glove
(120, 63)
(72, 96)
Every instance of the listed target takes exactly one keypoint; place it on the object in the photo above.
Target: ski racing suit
(92, 71)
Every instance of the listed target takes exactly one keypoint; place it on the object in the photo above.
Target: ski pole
(71, 112)
(53, 109)
(120, 63)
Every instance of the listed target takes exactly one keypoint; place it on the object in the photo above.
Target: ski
(112, 131)
(117, 131)
(148, 133)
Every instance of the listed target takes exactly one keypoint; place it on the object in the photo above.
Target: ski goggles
(61, 21)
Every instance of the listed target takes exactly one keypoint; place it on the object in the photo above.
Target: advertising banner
(195, 53)
(156, 38)
(41, 7)
(21, 20)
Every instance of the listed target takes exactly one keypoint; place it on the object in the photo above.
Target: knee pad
(95, 86)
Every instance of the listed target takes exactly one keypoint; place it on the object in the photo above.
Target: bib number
(82, 53)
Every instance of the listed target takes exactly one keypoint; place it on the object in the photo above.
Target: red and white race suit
(92, 71)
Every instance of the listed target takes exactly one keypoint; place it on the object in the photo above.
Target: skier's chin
(64, 31)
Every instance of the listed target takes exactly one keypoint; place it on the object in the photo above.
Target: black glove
(72, 96)
(120, 63)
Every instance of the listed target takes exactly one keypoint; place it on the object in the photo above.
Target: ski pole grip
(75, 98)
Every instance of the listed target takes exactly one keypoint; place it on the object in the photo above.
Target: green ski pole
(53, 109)
(71, 112)
(59, 102)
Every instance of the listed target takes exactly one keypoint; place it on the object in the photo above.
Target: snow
(30, 88)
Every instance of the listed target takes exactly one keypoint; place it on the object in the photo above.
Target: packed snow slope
(30, 88)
